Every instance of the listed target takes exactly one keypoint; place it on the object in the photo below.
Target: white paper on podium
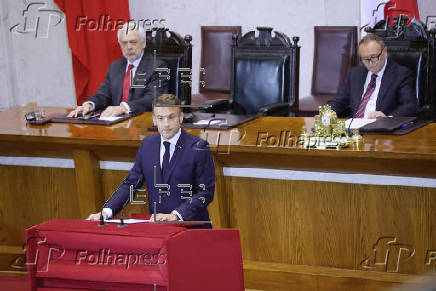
(110, 118)
(358, 122)
(128, 221)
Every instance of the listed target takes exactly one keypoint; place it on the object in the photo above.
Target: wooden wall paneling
(430, 231)
(394, 226)
(219, 207)
(30, 196)
(89, 193)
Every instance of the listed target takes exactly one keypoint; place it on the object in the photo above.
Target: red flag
(92, 34)
(408, 8)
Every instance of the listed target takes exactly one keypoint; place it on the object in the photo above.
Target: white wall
(39, 69)
(33, 69)
(294, 18)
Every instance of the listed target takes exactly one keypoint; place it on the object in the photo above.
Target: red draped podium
(78, 254)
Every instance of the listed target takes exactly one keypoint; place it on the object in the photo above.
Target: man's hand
(96, 216)
(376, 114)
(84, 109)
(113, 111)
(165, 217)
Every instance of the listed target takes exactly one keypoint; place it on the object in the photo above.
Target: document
(129, 221)
(358, 122)
(111, 118)
(208, 122)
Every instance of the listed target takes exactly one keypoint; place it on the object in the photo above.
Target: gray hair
(130, 26)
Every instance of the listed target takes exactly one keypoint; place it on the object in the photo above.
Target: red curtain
(405, 7)
(92, 34)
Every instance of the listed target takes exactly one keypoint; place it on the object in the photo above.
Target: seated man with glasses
(379, 88)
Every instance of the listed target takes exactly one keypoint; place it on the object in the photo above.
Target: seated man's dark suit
(396, 97)
(140, 99)
(191, 164)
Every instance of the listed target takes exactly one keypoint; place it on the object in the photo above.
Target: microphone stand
(133, 189)
(101, 211)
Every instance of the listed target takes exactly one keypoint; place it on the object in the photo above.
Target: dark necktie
(126, 84)
(166, 159)
(365, 99)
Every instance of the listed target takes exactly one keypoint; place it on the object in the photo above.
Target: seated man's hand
(111, 111)
(84, 109)
(376, 114)
(165, 217)
(96, 216)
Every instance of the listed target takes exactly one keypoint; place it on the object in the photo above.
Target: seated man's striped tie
(369, 90)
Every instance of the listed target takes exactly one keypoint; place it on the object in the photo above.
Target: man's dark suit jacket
(396, 97)
(191, 165)
(140, 99)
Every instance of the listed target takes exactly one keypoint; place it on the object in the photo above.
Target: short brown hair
(372, 37)
(166, 99)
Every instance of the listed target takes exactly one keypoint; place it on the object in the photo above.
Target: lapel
(140, 79)
(178, 152)
(360, 79)
(155, 159)
(386, 81)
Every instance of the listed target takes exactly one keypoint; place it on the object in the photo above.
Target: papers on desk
(209, 122)
(112, 118)
(128, 221)
(358, 122)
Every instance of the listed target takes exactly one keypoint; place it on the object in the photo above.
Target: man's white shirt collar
(173, 140)
(136, 62)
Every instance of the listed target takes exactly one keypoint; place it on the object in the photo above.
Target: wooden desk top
(265, 142)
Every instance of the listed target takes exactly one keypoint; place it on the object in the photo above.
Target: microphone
(349, 126)
(133, 189)
(101, 211)
(101, 218)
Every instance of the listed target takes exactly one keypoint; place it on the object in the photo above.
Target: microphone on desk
(133, 189)
(101, 219)
(101, 211)
(349, 126)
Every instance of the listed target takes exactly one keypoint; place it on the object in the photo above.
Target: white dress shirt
(371, 105)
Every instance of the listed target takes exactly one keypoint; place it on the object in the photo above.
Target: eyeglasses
(372, 59)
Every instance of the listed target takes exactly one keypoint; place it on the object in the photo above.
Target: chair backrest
(216, 57)
(416, 60)
(265, 70)
(335, 53)
(177, 53)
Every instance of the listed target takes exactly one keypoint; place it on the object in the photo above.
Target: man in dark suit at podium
(115, 95)
(177, 168)
(379, 88)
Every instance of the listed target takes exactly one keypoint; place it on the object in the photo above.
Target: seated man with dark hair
(379, 88)
(173, 158)
(115, 95)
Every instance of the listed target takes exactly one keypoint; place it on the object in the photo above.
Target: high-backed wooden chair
(216, 59)
(265, 74)
(177, 53)
(335, 52)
